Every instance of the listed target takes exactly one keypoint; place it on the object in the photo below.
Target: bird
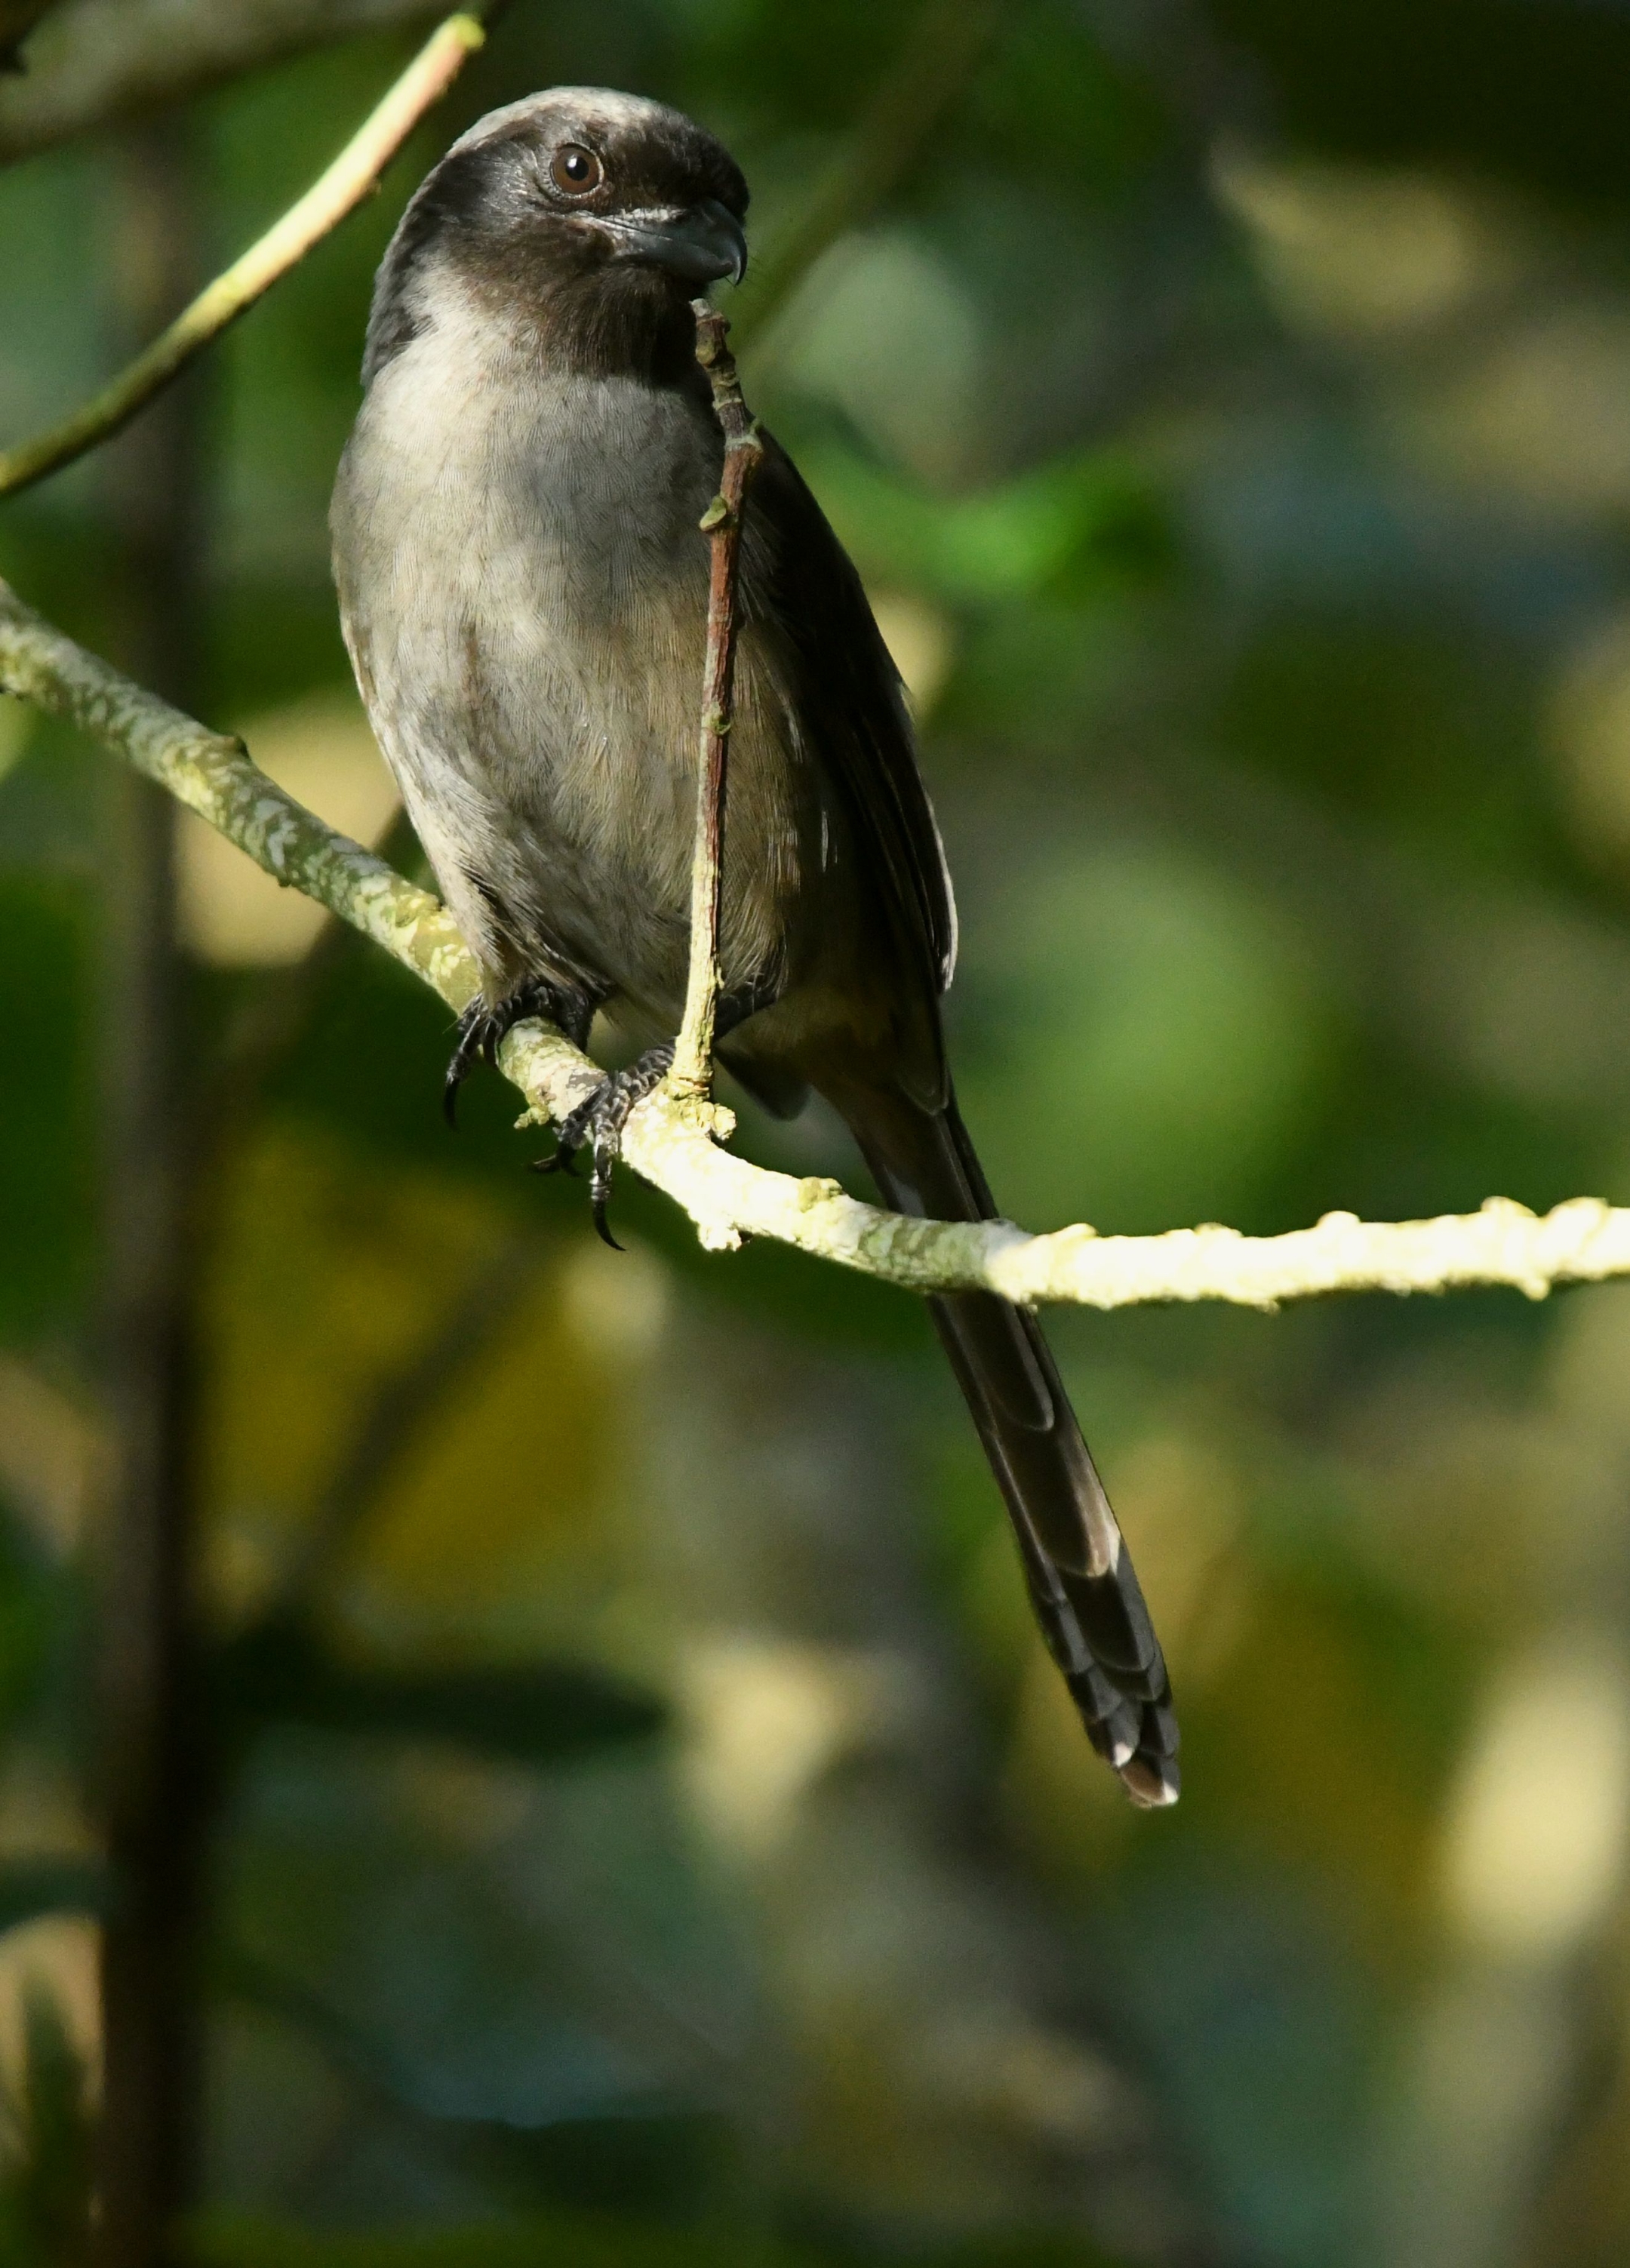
(522, 591)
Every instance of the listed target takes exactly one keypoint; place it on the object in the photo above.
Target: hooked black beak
(698, 243)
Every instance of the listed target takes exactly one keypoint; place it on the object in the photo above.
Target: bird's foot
(482, 1029)
(597, 1124)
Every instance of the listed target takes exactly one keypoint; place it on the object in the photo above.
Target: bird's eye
(576, 170)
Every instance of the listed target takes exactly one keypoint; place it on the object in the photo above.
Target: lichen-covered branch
(335, 193)
(668, 1140)
(213, 775)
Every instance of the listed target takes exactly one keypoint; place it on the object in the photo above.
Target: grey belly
(533, 670)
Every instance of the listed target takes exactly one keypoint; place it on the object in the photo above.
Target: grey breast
(524, 586)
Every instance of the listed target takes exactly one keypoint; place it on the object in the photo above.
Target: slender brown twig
(693, 1054)
(946, 44)
(335, 194)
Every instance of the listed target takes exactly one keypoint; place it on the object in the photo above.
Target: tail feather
(1081, 1577)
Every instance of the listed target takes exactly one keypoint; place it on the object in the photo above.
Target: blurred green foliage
(1195, 412)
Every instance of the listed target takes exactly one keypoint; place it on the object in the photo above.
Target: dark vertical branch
(150, 1755)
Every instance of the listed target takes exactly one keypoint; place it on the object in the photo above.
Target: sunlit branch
(668, 1140)
(337, 192)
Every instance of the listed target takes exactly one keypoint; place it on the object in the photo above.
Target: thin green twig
(337, 192)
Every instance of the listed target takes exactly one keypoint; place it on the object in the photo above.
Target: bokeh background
(646, 1828)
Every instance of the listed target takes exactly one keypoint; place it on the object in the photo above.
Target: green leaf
(1074, 529)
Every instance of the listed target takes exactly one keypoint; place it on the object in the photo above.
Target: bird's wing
(851, 705)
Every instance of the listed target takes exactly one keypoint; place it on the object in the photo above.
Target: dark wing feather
(851, 705)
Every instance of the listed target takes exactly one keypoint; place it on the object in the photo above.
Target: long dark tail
(1081, 1577)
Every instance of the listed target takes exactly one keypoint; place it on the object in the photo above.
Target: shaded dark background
(646, 1828)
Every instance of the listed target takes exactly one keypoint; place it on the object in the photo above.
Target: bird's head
(593, 216)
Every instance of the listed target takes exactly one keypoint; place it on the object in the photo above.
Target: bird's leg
(598, 1122)
(482, 1028)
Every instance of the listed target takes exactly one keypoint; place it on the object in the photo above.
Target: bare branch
(96, 63)
(667, 1139)
(693, 1054)
(337, 192)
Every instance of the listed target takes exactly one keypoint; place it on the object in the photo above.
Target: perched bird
(524, 590)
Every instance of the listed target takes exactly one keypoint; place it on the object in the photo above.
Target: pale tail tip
(1151, 1787)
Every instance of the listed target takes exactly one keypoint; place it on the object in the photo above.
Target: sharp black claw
(597, 1125)
(482, 1029)
(471, 1027)
(605, 1151)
